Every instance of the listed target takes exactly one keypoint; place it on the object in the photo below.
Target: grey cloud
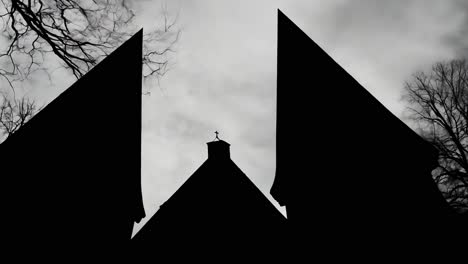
(224, 73)
(459, 39)
(224, 76)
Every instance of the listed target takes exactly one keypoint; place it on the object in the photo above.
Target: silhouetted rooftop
(218, 203)
(218, 149)
(80, 193)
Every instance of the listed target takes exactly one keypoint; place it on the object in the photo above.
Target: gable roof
(353, 142)
(74, 168)
(217, 205)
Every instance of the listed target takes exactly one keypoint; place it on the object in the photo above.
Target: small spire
(218, 149)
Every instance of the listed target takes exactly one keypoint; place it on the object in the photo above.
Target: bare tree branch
(14, 113)
(79, 33)
(438, 102)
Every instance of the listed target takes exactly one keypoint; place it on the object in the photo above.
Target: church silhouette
(217, 212)
(358, 184)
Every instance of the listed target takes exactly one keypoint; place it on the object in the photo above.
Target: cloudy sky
(223, 74)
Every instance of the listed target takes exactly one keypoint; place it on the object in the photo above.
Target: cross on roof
(216, 132)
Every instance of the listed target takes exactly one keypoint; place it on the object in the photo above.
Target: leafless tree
(78, 32)
(439, 104)
(14, 113)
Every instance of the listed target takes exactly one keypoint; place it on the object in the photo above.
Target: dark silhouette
(71, 175)
(360, 184)
(217, 212)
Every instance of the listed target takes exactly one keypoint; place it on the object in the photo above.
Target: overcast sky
(224, 72)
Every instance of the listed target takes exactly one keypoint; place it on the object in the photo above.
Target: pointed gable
(74, 168)
(218, 210)
(346, 166)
